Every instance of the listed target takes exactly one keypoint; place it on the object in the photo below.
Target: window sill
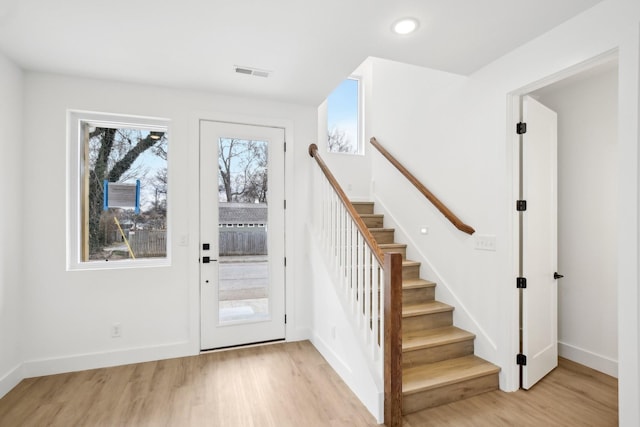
(119, 265)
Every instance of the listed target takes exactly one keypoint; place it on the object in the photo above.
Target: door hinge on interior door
(521, 283)
(521, 128)
(521, 205)
(521, 359)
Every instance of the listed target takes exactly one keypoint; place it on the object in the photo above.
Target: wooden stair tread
(392, 245)
(409, 263)
(446, 372)
(434, 337)
(417, 284)
(382, 229)
(429, 307)
(363, 207)
(371, 216)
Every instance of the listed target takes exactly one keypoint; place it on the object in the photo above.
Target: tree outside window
(118, 157)
(242, 171)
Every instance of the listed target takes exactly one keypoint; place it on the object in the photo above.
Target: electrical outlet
(116, 330)
(486, 242)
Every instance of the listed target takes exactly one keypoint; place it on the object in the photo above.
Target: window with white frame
(344, 118)
(118, 170)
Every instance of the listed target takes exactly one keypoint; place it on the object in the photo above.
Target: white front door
(242, 279)
(539, 242)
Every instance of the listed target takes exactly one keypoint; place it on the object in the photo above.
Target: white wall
(68, 314)
(457, 136)
(11, 281)
(587, 109)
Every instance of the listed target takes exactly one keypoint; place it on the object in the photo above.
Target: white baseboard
(300, 334)
(81, 362)
(11, 379)
(587, 358)
(338, 365)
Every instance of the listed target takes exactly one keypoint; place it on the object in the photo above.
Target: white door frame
(292, 330)
(514, 116)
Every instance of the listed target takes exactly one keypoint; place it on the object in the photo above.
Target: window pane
(343, 118)
(243, 292)
(135, 226)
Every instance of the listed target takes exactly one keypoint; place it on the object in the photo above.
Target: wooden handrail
(424, 190)
(362, 227)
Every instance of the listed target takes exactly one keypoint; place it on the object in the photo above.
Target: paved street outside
(243, 288)
(243, 277)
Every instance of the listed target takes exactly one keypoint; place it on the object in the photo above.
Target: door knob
(557, 276)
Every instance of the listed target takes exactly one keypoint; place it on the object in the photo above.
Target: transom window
(344, 118)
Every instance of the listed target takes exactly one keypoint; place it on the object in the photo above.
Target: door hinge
(521, 359)
(285, 319)
(285, 261)
(521, 205)
(521, 283)
(285, 146)
(285, 203)
(521, 128)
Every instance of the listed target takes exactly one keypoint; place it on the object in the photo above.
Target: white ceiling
(309, 45)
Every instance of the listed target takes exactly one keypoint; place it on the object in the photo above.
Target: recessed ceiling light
(405, 26)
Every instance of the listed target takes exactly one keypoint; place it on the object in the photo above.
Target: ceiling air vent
(251, 71)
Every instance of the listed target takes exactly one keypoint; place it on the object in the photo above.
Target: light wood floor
(281, 385)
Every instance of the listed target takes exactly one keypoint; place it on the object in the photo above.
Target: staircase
(438, 364)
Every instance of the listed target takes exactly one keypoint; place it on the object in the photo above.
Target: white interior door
(539, 242)
(242, 279)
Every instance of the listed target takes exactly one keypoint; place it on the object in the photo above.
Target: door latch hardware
(206, 260)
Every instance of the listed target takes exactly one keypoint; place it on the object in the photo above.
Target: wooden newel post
(393, 340)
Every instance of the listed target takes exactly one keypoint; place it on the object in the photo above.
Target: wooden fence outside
(235, 242)
(148, 243)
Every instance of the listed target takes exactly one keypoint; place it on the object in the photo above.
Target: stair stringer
(318, 251)
(485, 346)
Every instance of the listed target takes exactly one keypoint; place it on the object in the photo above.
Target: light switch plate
(486, 242)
